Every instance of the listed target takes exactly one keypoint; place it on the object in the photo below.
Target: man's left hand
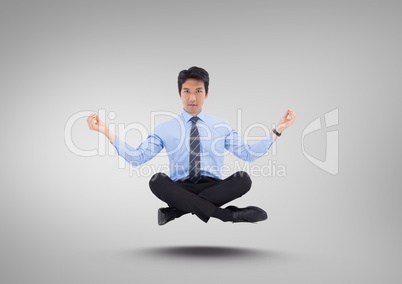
(285, 122)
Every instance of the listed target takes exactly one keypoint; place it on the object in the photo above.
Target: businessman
(195, 143)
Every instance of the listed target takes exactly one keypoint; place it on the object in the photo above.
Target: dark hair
(193, 73)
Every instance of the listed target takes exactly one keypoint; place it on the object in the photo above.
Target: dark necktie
(194, 152)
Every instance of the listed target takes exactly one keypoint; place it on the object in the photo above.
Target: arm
(235, 144)
(246, 152)
(135, 156)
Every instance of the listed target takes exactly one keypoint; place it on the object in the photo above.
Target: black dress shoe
(249, 214)
(166, 215)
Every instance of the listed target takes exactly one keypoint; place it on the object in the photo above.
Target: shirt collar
(186, 116)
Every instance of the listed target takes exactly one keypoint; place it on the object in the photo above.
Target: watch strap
(276, 132)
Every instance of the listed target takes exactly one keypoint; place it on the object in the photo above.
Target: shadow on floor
(204, 252)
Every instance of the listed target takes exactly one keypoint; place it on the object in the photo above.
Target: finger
(292, 120)
(90, 126)
(91, 123)
(94, 116)
(91, 116)
(292, 114)
(95, 121)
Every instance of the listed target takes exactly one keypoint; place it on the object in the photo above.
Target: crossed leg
(201, 199)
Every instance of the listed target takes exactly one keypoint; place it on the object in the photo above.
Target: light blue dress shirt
(216, 136)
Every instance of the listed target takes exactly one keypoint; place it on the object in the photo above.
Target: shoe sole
(161, 218)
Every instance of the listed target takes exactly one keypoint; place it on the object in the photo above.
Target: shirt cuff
(268, 141)
(116, 143)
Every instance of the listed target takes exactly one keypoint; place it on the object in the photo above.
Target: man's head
(193, 89)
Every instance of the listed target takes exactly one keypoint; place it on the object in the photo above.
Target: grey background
(71, 219)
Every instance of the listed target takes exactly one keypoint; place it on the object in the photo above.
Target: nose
(192, 97)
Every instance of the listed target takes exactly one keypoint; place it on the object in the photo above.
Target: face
(193, 95)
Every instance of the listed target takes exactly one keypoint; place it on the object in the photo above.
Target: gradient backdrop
(66, 218)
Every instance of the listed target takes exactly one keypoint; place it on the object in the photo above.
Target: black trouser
(202, 198)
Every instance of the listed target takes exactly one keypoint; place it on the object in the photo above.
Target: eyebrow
(200, 88)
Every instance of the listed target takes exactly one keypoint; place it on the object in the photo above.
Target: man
(195, 143)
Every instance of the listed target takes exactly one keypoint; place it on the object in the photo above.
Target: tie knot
(194, 119)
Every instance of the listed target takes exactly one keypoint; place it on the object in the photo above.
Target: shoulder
(175, 122)
(218, 123)
(214, 119)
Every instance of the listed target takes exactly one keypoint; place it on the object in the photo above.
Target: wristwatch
(276, 132)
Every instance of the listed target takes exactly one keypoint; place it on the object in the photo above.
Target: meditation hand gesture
(285, 122)
(96, 124)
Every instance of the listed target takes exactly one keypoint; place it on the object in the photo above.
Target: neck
(196, 113)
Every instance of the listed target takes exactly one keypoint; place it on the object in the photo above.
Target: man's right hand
(96, 124)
